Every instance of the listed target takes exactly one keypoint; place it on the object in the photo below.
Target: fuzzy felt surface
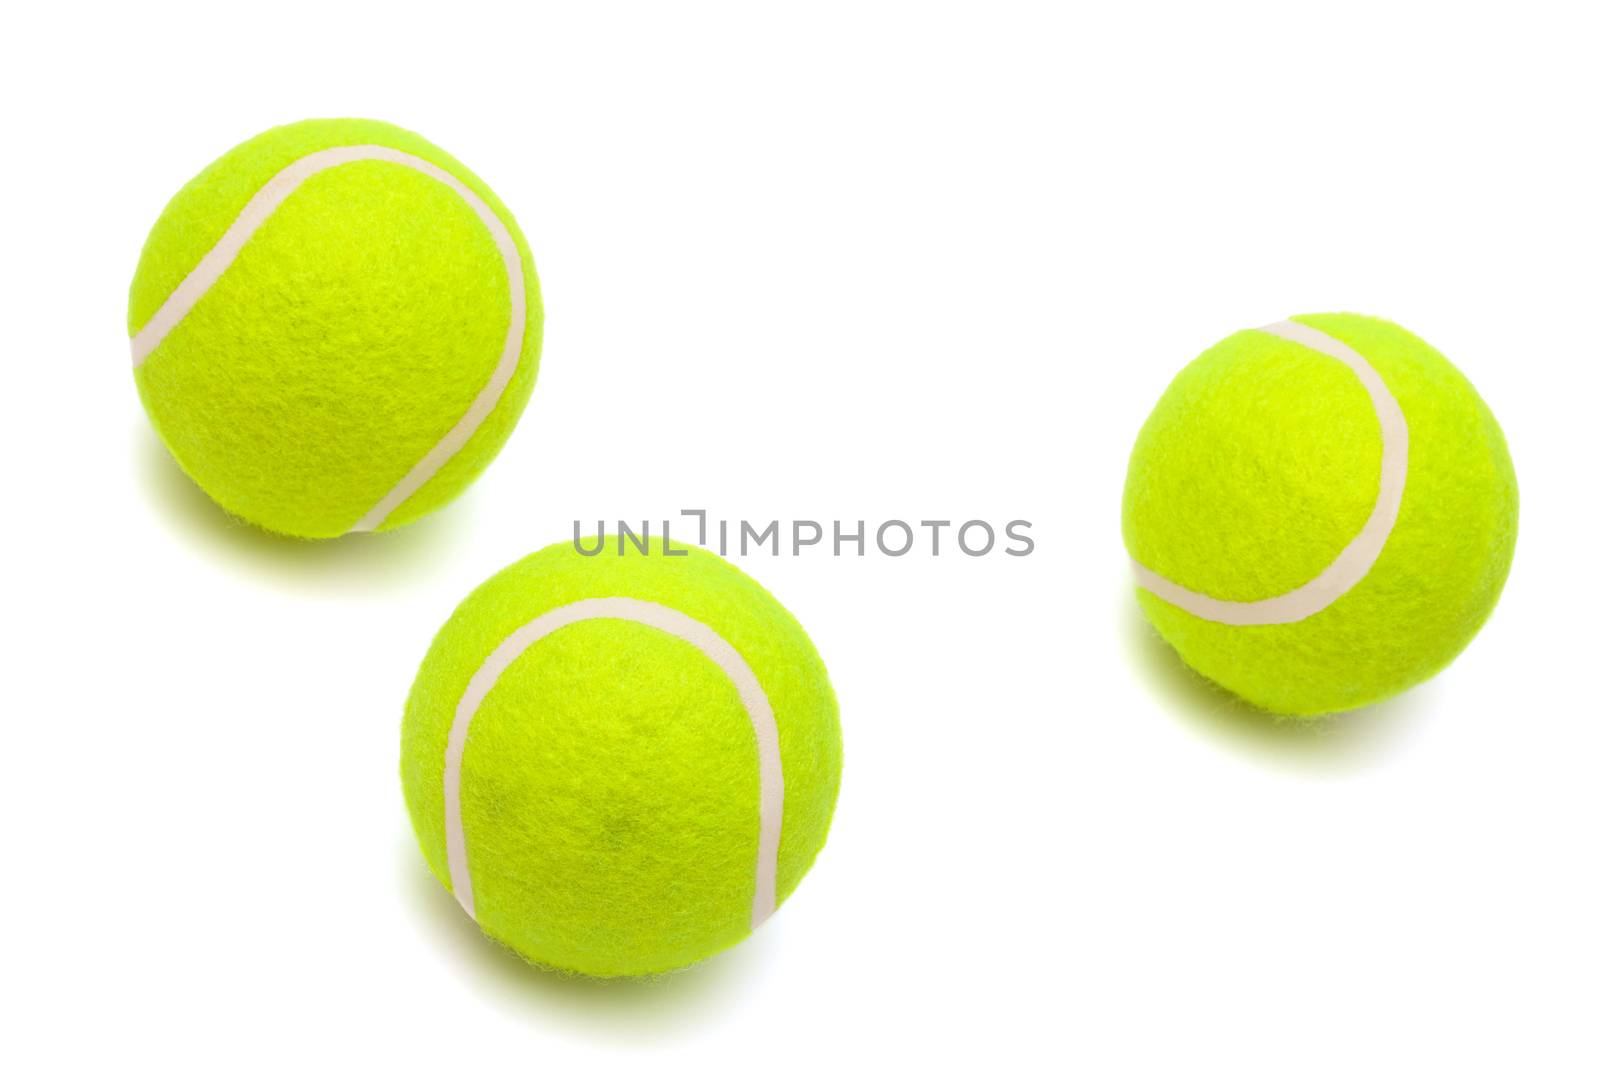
(610, 782)
(352, 332)
(1260, 463)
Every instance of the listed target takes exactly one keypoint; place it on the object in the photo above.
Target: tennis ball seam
(261, 206)
(669, 621)
(1357, 558)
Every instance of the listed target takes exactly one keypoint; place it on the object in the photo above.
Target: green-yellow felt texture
(1260, 464)
(352, 332)
(609, 784)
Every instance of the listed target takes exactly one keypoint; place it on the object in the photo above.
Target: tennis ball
(335, 327)
(620, 765)
(1320, 513)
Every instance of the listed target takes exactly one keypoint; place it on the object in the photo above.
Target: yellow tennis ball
(620, 765)
(1320, 513)
(335, 327)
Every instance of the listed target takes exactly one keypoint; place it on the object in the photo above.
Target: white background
(851, 261)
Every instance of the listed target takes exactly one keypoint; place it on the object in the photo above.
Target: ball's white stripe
(261, 206)
(1352, 564)
(667, 620)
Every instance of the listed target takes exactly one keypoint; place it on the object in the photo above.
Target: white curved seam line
(669, 621)
(1352, 564)
(261, 206)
